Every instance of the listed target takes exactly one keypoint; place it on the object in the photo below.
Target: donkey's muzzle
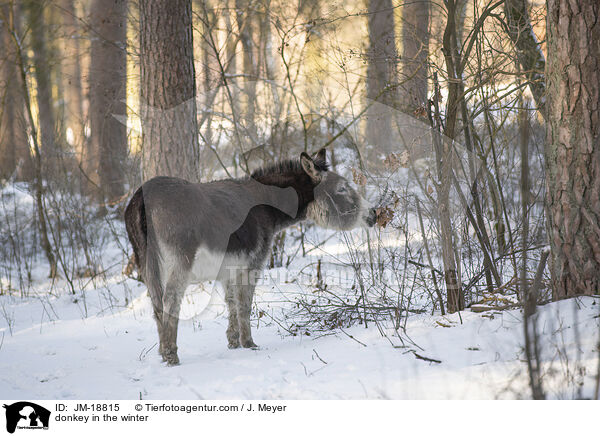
(371, 219)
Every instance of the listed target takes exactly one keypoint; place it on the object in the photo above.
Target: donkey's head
(336, 204)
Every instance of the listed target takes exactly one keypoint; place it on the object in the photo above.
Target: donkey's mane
(287, 166)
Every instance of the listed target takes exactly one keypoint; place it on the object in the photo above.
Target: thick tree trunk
(415, 50)
(168, 90)
(108, 78)
(14, 149)
(382, 73)
(573, 146)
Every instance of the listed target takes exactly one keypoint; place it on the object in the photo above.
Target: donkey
(184, 233)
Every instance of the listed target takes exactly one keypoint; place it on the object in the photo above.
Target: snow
(56, 352)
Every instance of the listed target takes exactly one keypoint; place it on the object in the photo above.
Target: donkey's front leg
(244, 297)
(233, 330)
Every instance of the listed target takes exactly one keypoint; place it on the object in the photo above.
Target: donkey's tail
(145, 253)
(137, 230)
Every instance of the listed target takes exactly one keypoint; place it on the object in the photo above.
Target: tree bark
(382, 72)
(108, 85)
(415, 50)
(168, 90)
(573, 146)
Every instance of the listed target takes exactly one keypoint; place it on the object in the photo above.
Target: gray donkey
(185, 233)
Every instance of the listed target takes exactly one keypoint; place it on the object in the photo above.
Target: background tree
(573, 146)
(168, 90)
(14, 150)
(382, 73)
(72, 75)
(415, 50)
(247, 25)
(529, 53)
(46, 112)
(108, 78)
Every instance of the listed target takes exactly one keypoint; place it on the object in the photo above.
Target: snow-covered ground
(103, 346)
(87, 338)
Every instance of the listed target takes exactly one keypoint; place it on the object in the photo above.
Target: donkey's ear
(309, 167)
(320, 160)
(322, 155)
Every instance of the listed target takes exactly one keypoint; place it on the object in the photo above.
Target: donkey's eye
(342, 190)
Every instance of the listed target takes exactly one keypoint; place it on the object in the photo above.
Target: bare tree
(572, 146)
(168, 90)
(108, 78)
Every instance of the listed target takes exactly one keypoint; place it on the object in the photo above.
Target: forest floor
(101, 344)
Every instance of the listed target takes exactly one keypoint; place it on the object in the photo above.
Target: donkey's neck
(290, 202)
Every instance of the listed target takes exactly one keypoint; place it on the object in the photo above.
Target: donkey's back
(174, 214)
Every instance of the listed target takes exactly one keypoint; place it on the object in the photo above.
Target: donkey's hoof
(250, 344)
(172, 361)
(171, 358)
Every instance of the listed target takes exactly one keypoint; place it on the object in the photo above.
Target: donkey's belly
(211, 265)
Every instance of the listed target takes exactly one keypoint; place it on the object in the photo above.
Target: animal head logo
(26, 415)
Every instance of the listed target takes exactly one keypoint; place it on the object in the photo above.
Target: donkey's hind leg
(151, 276)
(174, 291)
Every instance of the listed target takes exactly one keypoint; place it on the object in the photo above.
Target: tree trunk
(38, 183)
(314, 71)
(529, 53)
(456, 297)
(46, 115)
(108, 78)
(71, 66)
(168, 90)
(210, 81)
(14, 149)
(271, 65)
(382, 75)
(415, 50)
(246, 21)
(573, 146)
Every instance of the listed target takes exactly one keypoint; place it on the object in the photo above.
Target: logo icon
(26, 415)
